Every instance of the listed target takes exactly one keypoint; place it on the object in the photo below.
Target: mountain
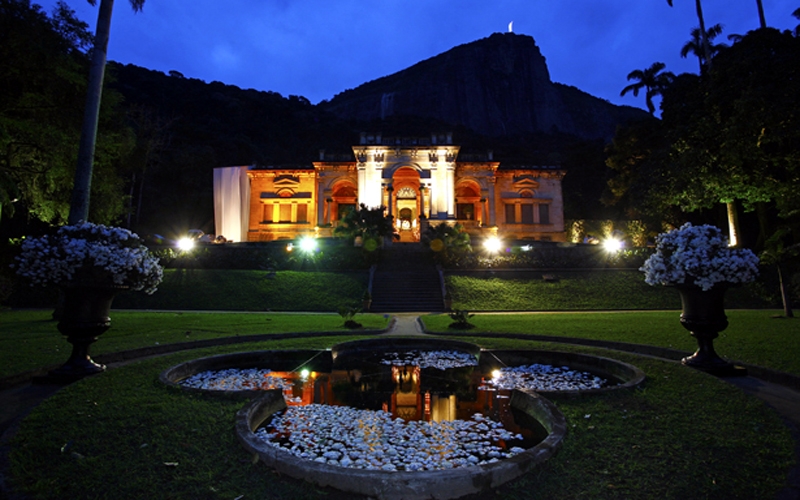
(496, 86)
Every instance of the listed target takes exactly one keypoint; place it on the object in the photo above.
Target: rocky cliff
(497, 86)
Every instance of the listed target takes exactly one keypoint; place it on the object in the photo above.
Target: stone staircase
(406, 280)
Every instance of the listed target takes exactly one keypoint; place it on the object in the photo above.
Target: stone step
(406, 280)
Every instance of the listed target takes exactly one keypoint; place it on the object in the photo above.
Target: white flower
(90, 252)
(698, 255)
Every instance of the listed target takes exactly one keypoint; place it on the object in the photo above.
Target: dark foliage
(460, 320)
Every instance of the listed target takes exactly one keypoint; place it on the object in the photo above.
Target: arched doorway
(406, 203)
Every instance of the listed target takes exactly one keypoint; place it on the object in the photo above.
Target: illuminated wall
(425, 179)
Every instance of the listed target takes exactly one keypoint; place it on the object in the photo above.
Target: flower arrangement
(90, 253)
(698, 255)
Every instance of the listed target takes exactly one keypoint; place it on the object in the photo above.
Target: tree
(762, 21)
(652, 80)
(796, 14)
(371, 224)
(736, 130)
(779, 253)
(703, 32)
(729, 136)
(733, 220)
(152, 137)
(79, 205)
(695, 45)
(42, 90)
(448, 243)
(637, 158)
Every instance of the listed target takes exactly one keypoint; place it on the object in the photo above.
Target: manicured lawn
(683, 434)
(231, 290)
(30, 340)
(123, 435)
(577, 290)
(753, 336)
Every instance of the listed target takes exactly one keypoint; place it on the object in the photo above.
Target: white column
(362, 183)
(450, 189)
(438, 194)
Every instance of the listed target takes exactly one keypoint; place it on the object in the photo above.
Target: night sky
(319, 48)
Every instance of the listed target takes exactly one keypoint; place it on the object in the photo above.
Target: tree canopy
(730, 135)
(42, 90)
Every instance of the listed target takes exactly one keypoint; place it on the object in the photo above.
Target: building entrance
(406, 203)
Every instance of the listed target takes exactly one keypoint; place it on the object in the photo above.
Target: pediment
(525, 182)
(286, 182)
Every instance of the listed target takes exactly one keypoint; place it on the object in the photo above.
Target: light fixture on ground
(612, 245)
(308, 244)
(186, 244)
(493, 244)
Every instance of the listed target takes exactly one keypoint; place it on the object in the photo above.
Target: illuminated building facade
(420, 182)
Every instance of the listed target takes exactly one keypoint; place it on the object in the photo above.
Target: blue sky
(318, 48)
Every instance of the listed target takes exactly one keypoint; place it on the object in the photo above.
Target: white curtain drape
(231, 202)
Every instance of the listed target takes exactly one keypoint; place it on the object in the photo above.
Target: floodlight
(493, 244)
(612, 245)
(186, 244)
(308, 244)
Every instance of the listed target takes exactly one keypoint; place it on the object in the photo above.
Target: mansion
(421, 182)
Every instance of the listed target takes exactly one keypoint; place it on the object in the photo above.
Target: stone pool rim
(625, 375)
(396, 485)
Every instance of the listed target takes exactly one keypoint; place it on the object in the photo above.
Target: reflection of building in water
(406, 402)
(404, 391)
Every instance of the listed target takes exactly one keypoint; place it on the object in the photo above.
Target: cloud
(224, 58)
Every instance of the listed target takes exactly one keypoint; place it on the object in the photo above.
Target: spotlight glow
(308, 244)
(612, 245)
(493, 244)
(186, 244)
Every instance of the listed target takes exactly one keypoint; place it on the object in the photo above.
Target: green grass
(211, 289)
(231, 290)
(577, 290)
(682, 435)
(125, 436)
(753, 336)
(30, 339)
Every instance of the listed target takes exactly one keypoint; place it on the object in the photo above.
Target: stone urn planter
(703, 315)
(84, 317)
(700, 264)
(90, 263)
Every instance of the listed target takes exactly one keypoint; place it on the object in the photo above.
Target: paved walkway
(18, 401)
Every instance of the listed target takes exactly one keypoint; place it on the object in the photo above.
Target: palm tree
(733, 218)
(762, 21)
(695, 45)
(706, 48)
(735, 38)
(79, 204)
(651, 80)
(796, 14)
